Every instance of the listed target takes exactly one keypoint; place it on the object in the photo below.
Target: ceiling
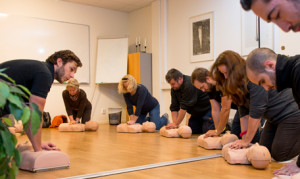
(118, 5)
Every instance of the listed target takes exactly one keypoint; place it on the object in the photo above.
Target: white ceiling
(118, 5)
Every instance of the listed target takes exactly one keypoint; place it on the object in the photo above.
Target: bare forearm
(36, 140)
(215, 111)
(180, 116)
(244, 123)
(133, 117)
(71, 118)
(174, 116)
(224, 116)
(253, 125)
(216, 117)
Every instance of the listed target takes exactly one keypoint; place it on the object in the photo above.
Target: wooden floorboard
(104, 150)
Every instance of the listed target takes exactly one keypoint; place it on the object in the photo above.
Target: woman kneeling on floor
(76, 103)
(137, 95)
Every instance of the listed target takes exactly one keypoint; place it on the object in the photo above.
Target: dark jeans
(236, 128)
(236, 125)
(201, 124)
(283, 139)
(154, 116)
(86, 113)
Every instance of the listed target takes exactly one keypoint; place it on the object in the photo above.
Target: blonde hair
(73, 83)
(132, 84)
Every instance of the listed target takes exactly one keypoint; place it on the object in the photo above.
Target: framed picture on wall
(201, 37)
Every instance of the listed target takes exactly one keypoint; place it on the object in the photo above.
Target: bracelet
(243, 133)
(222, 131)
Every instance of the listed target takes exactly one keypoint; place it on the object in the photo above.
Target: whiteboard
(33, 38)
(111, 60)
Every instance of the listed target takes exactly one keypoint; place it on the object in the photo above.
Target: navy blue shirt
(142, 100)
(35, 75)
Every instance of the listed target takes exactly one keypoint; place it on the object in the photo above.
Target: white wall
(165, 24)
(140, 25)
(173, 31)
(102, 22)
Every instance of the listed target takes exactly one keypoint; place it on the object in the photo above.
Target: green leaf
(4, 89)
(7, 77)
(7, 140)
(7, 121)
(18, 157)
(13, 171)
(14, 110)
(3, 163)
(18, 91)
(15, 100)
(2, 176)
(24, 89)
(2, 70)
(2, 100)
(2, 127)
(2, 154)
(26, 115)
(14, 139)
(25, 126)
(4, 92)
(35, 118)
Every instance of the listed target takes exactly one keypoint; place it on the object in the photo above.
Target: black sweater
(190, 98)
(288, 75)
(271, 105)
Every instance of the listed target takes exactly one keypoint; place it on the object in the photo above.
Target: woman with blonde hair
(254, 103)
(76, 103)
(137, 95)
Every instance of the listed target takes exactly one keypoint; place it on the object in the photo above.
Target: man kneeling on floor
(38, 77)
(187, 98)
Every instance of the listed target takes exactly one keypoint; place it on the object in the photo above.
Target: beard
(210, 87)
(59, 73)
(272, 76)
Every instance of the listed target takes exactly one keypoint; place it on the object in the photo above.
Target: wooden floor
(104, 150)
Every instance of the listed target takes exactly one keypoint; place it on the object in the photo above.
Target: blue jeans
(154, 116)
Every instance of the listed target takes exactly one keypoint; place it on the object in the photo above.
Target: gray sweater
(271, 105)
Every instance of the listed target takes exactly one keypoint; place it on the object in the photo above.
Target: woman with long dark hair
(254, 103)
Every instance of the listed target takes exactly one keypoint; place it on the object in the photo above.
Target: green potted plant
(13, 96)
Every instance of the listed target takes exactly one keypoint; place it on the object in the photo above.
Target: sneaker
(166, 115)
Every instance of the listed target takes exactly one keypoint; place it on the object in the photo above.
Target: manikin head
(284, 13)
(202, 80)
(261, 67)
(175, 78)
(65, 65)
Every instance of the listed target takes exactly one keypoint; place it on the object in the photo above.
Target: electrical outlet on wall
(103, 110)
